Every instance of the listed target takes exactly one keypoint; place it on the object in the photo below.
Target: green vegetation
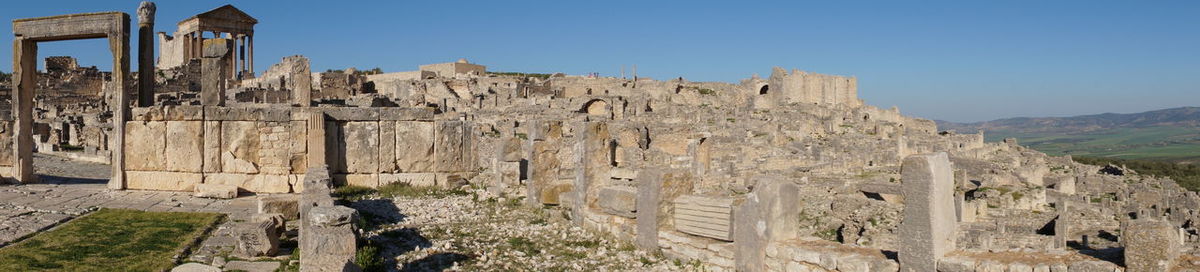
(1186, 175)
(367, 257)
(5, 76)
(1162, 143)
(70, 148)
(110, 240)
(521, 75)
(706, 91)
(399, 189)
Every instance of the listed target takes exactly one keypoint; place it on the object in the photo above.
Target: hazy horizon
(952, 61)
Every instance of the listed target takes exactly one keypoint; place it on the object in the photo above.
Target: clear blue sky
(951, 60)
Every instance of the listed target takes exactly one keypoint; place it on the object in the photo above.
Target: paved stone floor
(68, 189)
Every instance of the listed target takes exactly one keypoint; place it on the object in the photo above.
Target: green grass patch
(1162, 143)
(407, 190)
(352, 192)
(399, 189)
(109, 240)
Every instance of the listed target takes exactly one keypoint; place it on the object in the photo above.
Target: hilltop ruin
(792, 172)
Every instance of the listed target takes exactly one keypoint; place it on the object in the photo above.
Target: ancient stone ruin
(786, 173)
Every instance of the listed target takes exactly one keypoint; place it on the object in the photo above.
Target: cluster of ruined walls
(804, 87)
(264, 149)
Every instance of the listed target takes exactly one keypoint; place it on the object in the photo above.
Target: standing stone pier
(928, 230)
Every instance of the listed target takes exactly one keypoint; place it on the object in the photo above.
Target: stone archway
(596, 107)
(763, 90)
(113, 26)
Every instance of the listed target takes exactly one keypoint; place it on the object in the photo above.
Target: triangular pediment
(227, 12)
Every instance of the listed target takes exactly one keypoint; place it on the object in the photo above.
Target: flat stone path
(26, 209)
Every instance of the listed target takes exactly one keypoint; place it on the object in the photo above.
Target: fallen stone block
(255, 239)
(619, 200)
(287, 205)
(275, 218)
(195, 267)
(331, 216)
(222, 191)
(252, 266)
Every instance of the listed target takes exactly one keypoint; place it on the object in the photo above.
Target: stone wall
(454, 68)
(170, 52)
(264, 149)
(804, 87)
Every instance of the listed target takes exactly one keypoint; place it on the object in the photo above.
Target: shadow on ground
(396, 242)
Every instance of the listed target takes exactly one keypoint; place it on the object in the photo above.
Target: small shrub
(706, 91)
(367, 257)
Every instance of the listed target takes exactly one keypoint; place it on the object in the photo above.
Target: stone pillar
(24, 81)
(1062, 225)
(300, 82)
(316, 139)
(330, 233)
(770, 213)
(214, 66)
(119, 45)
(649, 191)
(250, 43)
(146, 54)
(1150, 245)
(928, 229)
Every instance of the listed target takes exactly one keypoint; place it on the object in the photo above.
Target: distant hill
(1164, 135)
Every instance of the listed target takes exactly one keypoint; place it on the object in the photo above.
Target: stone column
(146, 54)
(24, 80)
(251, 54)
(316, 139)
(119, 45)
(928, 229)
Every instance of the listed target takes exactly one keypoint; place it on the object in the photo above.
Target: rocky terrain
(466, 233)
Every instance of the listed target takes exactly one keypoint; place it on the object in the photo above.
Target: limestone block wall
(804, 87)
(264, 150)
(170, 51)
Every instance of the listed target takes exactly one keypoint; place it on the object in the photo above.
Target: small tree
(5, 76)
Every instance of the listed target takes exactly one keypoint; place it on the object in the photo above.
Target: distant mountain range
(1179, 117)
(1165, 135)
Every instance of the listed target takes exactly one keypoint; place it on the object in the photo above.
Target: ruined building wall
(804, 87)
(454, 68)
(170, 50)
(61, 64)
(264, 150)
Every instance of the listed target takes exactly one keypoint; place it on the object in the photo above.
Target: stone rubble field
(464, 233)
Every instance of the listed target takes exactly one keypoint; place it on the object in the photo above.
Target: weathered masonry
(113, 26)
(266, 150)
